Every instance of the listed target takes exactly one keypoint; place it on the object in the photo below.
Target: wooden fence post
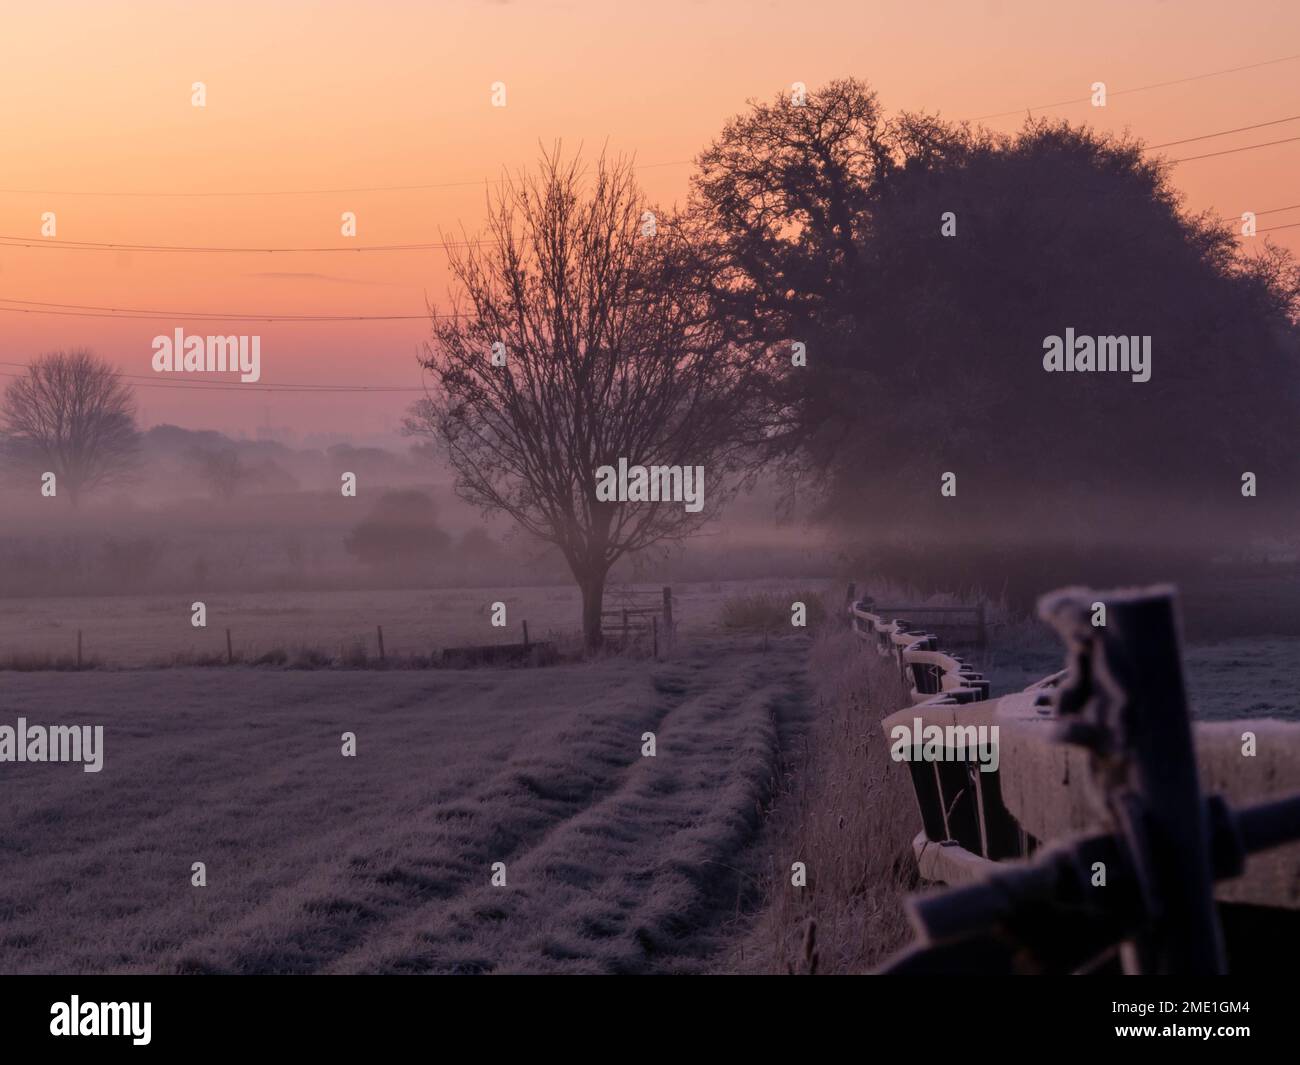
(380, 630)
(230, 650)
(525, 634)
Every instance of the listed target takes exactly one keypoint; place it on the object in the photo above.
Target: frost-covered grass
(845, 810)
(614, 862)
(772, 611)
(1242, 677)
(131, 631)
(1228, 676)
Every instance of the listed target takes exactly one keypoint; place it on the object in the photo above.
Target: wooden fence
(640, 617)
(952, 624)
(1098, 766)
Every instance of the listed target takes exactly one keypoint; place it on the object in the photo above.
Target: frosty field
(614, 862)
(143, 630)
(315, 862)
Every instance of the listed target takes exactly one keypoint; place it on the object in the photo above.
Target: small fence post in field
(668, 614)
(78, 648)
(230, 650)
(850, 594)
(380, 630)
(525, 633)
(982, 635)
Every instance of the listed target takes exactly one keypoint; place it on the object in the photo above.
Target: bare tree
(221, 470)
(578, 340)
(73, 416)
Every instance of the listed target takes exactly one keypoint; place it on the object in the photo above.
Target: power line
(260, 386)
(1270, 229)
(296, 385)
(77, 310)
(229, 385)
(1271, 210)
(94, 245)
(1142, 88)
(1233, 151)
(1221, 133)
(257, 387)
(300, 192)
(83, 310)
(69, 245)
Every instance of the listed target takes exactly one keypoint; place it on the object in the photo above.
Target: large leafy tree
(823, 223)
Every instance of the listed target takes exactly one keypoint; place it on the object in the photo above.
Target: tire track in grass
(438, 854)
(312, 869)
(274, 826)
(630, 882)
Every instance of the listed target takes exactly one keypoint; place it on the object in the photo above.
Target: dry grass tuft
(770, 612)
(845, 810)
(37, 661)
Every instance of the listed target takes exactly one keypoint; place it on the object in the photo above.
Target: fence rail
(1099, 759)
(646, 617)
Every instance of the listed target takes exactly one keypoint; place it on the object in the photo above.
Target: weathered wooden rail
(1098, 768)
(644, 616)
(953, 624)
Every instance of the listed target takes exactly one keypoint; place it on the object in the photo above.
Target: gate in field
(638, 617)
(1092, 841)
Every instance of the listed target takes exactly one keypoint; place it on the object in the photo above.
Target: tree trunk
(593, 599)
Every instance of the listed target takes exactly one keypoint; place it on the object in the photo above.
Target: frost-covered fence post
(1125, 701)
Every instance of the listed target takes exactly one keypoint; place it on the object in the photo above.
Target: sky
(305, 99)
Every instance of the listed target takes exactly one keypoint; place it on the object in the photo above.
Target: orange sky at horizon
(305, 96)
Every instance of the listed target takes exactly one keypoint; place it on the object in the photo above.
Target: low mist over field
(497, 488)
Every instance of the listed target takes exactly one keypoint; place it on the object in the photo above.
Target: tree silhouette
(401, 530)
(824, 223)
(221, 470)
(582, 340)
(71, 415)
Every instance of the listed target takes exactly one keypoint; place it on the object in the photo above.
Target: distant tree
(221, 470)
(71, 415)
(603, 350)
(401, 530)
(478, 548)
